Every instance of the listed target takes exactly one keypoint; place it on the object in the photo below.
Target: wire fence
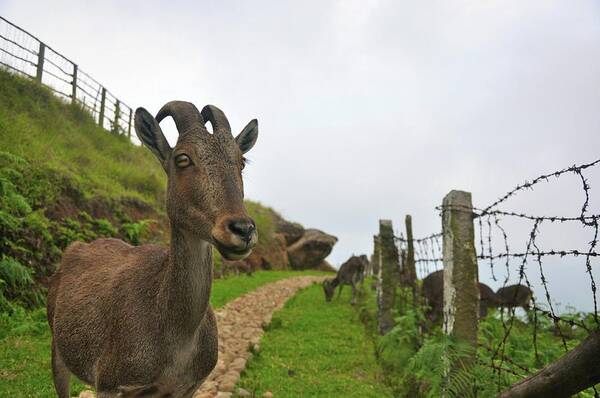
(26, 55)
(513, 247)
(428, 253)
(491, 221)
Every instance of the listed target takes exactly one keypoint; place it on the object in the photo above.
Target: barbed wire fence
(491, 220)
(24, 54)
(428, 253)
(510, 257)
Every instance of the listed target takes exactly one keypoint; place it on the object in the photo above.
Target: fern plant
(17, 284)
(134, 231)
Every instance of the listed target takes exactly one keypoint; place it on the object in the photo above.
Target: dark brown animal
(487, 299)
(136, 321)
(350, 273)
(433, 290)
(515, 296)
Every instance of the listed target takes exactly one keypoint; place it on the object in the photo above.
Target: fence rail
(23, 53)
(494, 241)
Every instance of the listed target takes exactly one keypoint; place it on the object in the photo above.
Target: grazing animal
(136, 321)
(487, 299)
(350, 273)
(515, 296)
(366, 263)
(433, 290)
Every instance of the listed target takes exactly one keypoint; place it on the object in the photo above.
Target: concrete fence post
(387, 270)
(40, 63)
(461, 290)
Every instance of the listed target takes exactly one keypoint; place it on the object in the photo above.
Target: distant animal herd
(352, 272)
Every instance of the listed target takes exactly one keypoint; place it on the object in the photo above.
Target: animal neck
(187, 281)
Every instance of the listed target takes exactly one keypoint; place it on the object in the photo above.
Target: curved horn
(217, 118)
(185, 114)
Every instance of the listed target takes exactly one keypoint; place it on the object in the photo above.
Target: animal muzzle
(235, 237)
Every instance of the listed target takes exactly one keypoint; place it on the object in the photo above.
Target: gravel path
(241, 324)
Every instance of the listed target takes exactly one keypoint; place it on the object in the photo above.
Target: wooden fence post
(129, 124)
(387, 270)
(375, 258)
(574, 372)
(102, 104)
(410, 272)
(40, 62)
(461, 290)
(74, 85)
(115, 128)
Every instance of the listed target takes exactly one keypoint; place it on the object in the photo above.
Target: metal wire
(17, 45)
(17, 57)
(16, 70)
(490, 222)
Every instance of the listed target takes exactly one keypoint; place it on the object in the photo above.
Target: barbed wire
(427, 251)
(534, 251)
(493, 247)
(542, 178)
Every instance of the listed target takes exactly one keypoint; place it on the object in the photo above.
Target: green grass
(411, 361)
(225, 290)
(25, 339)
(49, 133)
(25, 356)
(315, 349)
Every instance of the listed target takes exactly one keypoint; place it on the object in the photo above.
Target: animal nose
(244, 228)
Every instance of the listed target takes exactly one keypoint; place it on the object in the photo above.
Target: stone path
(241, 323)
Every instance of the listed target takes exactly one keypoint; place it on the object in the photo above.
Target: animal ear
(247, 138)
(151, 135)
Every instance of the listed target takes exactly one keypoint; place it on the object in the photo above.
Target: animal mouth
(233, 253)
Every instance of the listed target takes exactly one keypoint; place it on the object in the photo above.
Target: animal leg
(60, 374)
(147, 391)
(526, 308)
(340, 290)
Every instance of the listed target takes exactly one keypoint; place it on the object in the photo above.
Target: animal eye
(182, 161)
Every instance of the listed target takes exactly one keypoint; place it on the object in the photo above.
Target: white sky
(367, 109)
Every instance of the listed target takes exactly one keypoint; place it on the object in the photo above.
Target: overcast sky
(367, 109)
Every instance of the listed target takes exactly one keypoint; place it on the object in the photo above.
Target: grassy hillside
(64, 139)
(63, 178)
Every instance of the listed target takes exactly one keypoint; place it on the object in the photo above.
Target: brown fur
(515, 296)
(136, 321)
(350, 273)
(433, 290)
